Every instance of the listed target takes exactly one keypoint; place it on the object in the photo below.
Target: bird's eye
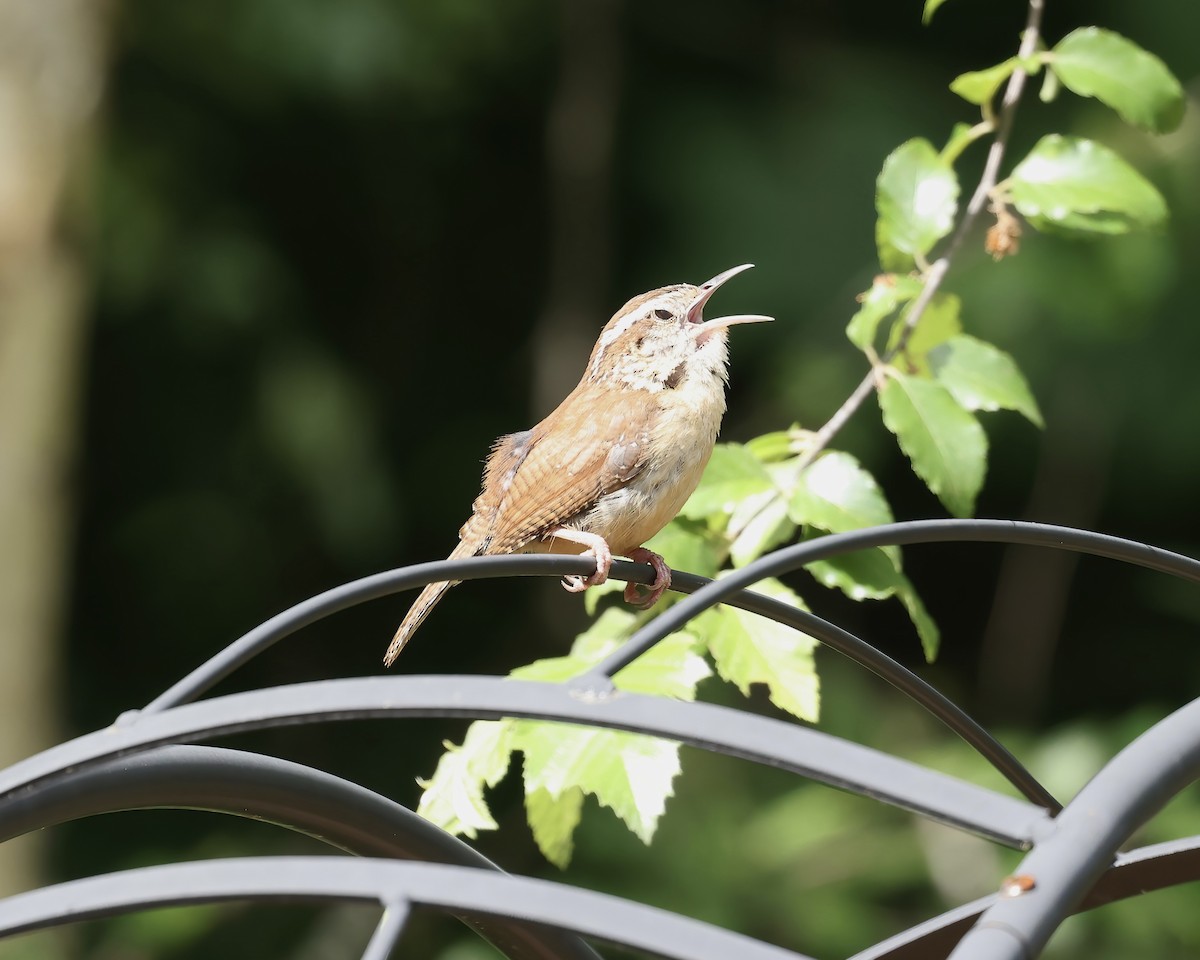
(663, 314)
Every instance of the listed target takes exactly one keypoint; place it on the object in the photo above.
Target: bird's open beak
(695, 311)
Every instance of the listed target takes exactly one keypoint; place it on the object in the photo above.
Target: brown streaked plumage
(615, 461)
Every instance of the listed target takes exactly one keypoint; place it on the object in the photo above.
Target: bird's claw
(662, 580)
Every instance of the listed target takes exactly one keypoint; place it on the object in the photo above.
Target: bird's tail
(424, 603)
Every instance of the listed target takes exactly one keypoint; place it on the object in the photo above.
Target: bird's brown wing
(544, 477)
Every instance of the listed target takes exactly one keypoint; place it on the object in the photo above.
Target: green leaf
(688, 545)
(945, 443)
(887, 293)
(767, 527)
(630, 773)
(1116, 71)
(961, 137)
(777, 445)
(983, 377)
(1071, 184)
(931, 7)
(980, 86)
(1048, 92)
(927, 629)
(732, 474)
(862, 575)
(916, 197)
(939, 322)
(871, 575)
(453, 797)
(553, 820)
(671, 668)
(749, 649)
(835, 493)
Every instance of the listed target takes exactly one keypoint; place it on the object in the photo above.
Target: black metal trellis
(1072, 861)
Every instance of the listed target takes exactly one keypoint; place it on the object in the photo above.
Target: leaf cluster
(932, 379)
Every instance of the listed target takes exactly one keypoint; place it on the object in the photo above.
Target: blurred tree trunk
(52, 54)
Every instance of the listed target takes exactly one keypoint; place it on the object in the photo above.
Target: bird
(614, 462)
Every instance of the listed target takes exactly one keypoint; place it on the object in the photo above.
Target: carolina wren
(613, 464)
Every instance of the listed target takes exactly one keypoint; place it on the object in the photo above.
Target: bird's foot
(662, 579)
(597, 547)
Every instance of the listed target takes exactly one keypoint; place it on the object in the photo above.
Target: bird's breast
(679, 442)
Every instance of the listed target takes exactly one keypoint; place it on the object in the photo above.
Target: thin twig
(939, 268)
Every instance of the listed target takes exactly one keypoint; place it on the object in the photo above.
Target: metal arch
(374, 587)
(1071, 865)
(906, 533)
(1075, 849)
(728, 589)
(790, 746)
(388, 931)
(228, 781)
(391, 884)
(359, 591)
(925, 695)
(1139, 871)
(235, 782)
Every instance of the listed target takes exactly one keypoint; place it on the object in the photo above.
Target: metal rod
(810, 753)
(315, 879)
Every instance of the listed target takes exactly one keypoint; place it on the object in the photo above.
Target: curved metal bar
(370, 588)
(389, 930)
(776, 743)
(1137, 872)
(380, 585)
(1074, 850)
(896, 534)
(270, 632)
(903, 679)
(335, 811)
(458, 889)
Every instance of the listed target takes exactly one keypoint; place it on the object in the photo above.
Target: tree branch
(939, 268)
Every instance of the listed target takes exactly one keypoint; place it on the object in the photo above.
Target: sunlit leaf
(1071, 184)
(776, 445)
(732, 474)
(768, 527)
(1099, 63)
(931, 7)
(750, 649)
(453, 797)
(671, 668)
(938, 323)
(835, 493)
(916, 197)
(961, 137)
(553, 820)
(630, 773)
(983, 377)
(980, 86)
(887, 294)
(688, 545)
(945, 443)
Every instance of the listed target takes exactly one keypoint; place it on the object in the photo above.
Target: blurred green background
(303, 261)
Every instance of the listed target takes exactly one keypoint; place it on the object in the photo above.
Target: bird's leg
(597, 547)
(662, 579)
